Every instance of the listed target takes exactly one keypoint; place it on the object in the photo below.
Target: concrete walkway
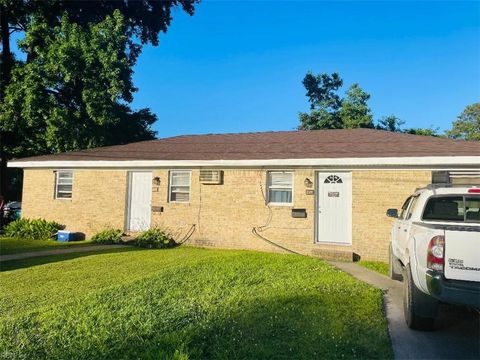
(457, 334)
(78, 249)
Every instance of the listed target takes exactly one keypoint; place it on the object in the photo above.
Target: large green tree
(355, 112)
(74, 87)
(73, 93)
(467, 125)
(322, 93)
(328, 110)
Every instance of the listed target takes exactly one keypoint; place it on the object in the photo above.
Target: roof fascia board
(433, 161)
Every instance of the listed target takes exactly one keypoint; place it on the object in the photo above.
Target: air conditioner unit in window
(211, 176)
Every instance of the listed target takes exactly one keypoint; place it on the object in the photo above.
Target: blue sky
(238, 66)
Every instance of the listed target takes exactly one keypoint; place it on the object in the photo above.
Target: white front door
(139, 200)
(334, 207)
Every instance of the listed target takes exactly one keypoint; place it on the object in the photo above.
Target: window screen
(63, 184)
(453, 208)
(180, 186)
(280, 187)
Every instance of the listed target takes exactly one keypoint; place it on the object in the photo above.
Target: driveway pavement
(457, 334)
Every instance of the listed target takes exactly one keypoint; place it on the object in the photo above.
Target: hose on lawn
(255, 232)
(188, 235)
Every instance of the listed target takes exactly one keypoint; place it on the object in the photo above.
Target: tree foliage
(390, 123)
(467, 125)
(74, 87)
(355, 112)
(328, 110)
(393, 123)
(73, 94)
(422, 131)
(324, 102)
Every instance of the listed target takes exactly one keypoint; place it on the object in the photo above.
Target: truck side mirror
(392, 213)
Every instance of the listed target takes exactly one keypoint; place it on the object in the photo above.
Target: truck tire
(419, 309)
(392, 265)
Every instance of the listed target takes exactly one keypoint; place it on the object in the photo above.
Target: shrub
(36, 229)
(155, 239)
(108, 236)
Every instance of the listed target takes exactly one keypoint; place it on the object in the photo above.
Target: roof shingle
(345, 143)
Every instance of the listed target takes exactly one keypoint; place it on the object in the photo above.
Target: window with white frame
(280, 184)
(63, 184)
(179, 185)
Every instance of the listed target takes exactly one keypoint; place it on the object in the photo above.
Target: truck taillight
(474, 190)
(435, 254)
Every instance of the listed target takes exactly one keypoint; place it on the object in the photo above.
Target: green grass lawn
(187, 303)
(378, 266)
(14, 246)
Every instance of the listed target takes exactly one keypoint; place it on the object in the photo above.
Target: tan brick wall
(373, 193)
(224, 215)
(98, 199)
(228, 212)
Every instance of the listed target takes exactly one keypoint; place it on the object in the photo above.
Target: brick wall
(373, 193)
(224, 215)
(98, 199)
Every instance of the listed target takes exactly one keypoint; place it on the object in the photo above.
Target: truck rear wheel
(419, 308)
(393, 266)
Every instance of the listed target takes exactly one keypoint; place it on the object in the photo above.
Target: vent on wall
(211, 176)
(440, 177)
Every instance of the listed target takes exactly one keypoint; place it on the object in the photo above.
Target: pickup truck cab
(435, 249)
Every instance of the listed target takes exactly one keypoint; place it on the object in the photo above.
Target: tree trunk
(5, 73)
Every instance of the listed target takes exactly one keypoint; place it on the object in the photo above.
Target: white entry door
(334, 207)
(139, 200)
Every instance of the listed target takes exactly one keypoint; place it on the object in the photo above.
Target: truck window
(472, 209)
(404, 208)
(453, 208)
(411, 209)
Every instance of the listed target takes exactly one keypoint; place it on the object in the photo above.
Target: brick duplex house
(321, 193)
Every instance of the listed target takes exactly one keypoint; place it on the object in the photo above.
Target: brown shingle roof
(348, 143)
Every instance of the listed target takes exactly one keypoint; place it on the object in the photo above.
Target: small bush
(108, 236)
(36, 229)
(155, 239)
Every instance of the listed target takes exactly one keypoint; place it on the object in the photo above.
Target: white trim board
(426, 161)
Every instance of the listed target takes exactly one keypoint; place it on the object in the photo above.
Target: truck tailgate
(462, 253)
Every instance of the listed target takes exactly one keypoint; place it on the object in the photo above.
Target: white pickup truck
(435, 249)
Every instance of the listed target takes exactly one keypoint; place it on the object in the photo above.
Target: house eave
(425, 162)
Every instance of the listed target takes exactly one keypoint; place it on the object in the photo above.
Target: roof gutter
(425, 161)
